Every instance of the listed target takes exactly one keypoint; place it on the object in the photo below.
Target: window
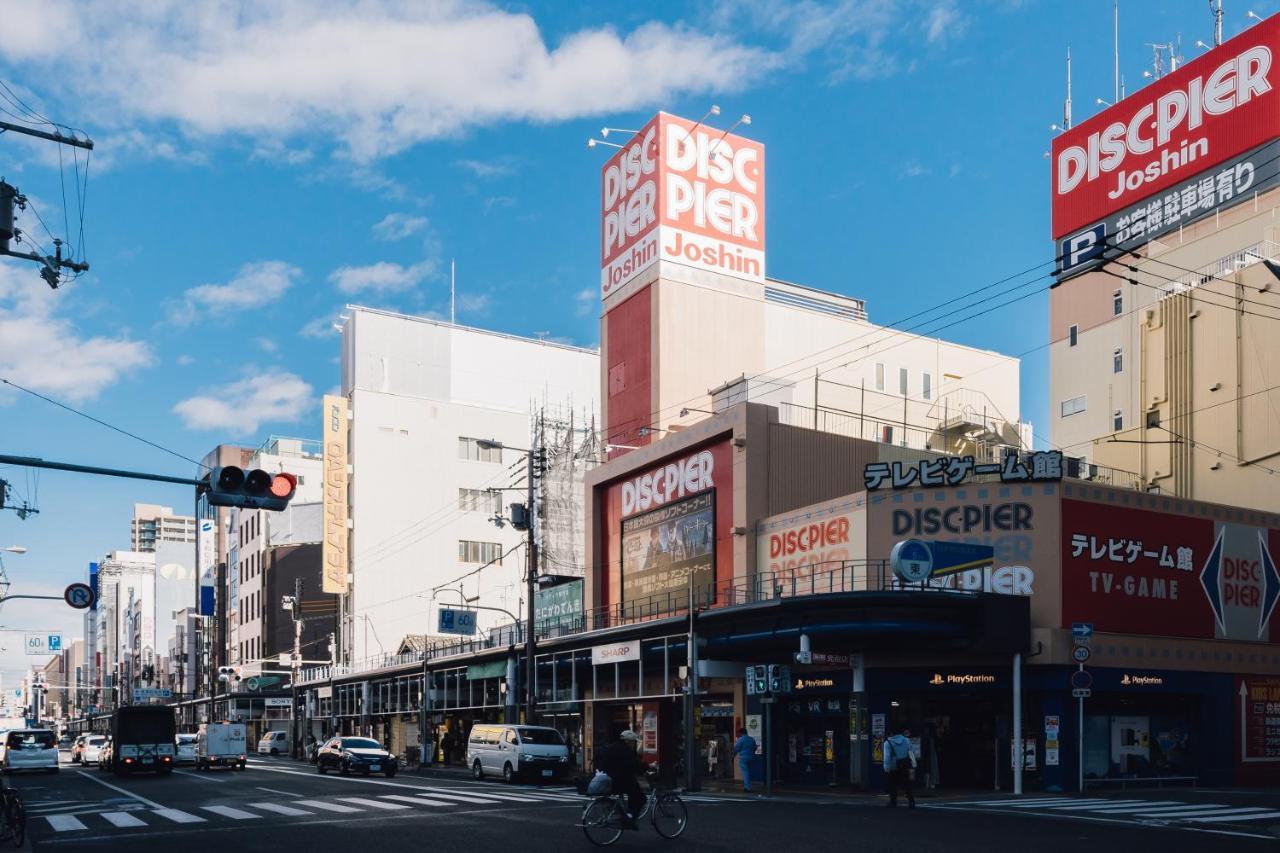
(1073, 406)
(1117, 360)
(1117, 420)
(471, 448)
(478, 500)
(1117, 303)
(479, 552)
(902, 381)
(926, 389)
(1072, 335)
(879, 376)
(886, 434)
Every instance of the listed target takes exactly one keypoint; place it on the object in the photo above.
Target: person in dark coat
(624, 767)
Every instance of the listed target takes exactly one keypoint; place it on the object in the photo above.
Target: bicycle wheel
(670, 816)
(16, 817)
(602, 821)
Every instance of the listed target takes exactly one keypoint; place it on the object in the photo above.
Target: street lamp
(15, 549)
(531, 570)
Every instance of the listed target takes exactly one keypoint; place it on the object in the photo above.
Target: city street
(279, 803)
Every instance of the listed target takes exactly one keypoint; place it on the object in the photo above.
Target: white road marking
(1183, 811)
(278, 809)
(123, 819)
(1129, 809)
(234, 814)
(117, 789)
(64, 823)
(329, 807)
(1265, 815)
(364, 801)
(465, 798)
(203, 777)
(278, 791)
(417, 801)
(178, 816)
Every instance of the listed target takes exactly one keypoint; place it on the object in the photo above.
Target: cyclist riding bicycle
(624, 767)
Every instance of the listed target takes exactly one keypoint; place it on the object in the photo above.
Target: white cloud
(267, 345)
(914, 169)
(382, 277)
(254, 285)
(45, 351)
(944, 22)
(586, 299)
(382, 75)
(239, 408)
(320, 327)
(397, 226)
(186, 360)
(497, 168)
(475, 303)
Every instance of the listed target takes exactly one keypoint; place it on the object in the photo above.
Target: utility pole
(536, 455)
(1217, 24)
(294, 606)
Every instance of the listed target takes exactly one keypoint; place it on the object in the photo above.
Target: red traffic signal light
(256, 489)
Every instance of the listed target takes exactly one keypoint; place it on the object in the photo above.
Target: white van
(220, 745)
(533, 752)
(30, 749)
(274, 743)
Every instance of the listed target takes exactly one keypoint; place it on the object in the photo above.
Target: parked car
(91, 751)
(77, 749)
(186, 753)
(274, 743)
(30, 749)
(346, 754)
(535, 752)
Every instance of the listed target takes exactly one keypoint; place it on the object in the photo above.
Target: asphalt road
(278, 804)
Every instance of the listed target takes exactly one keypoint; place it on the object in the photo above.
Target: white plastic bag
(600, 785)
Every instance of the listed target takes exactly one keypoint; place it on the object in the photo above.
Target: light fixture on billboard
(1102, 102)
(1202, 45)
(714, 111)
(605, 131)
(1057, 128)
(1253, 15)
(592, 143)
(743, 119)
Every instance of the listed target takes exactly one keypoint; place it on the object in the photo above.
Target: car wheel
(275, 751)
(320, 768)
(508, 774)
(345, 769)
(390, 771)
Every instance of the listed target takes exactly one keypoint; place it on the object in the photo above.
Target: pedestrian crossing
(1144, 812)
(430, 799)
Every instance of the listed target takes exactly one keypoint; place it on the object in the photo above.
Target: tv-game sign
(684, 193)
(1219, 105)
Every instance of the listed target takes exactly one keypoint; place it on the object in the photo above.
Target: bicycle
(13, 815)
(605, 817)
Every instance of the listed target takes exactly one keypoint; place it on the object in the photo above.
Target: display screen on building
(686, 194)
(666, 549)
(1215, 107)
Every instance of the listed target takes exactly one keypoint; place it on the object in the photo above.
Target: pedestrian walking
(446, 746)
(900, 765)
(745, 748)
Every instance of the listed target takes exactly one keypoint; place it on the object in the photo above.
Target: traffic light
(779, 678)
(761, 679)
(255, 489)
(229, 674)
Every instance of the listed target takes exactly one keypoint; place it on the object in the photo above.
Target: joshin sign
(683, 193)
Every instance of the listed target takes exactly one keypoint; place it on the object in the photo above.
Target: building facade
(153, 524)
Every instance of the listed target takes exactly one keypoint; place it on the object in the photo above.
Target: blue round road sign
(1081, 679)
(78, 595)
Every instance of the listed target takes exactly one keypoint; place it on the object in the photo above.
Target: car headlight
(564, 759)
(524, 756)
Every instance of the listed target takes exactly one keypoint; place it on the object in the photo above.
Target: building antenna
(1066, 107)
(453, 300)
(1217, 22)
(1115, 50)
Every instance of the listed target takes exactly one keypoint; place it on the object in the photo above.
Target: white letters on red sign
(671, 482)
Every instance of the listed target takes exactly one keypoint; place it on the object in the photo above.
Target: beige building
(1177, 378)
(153, 523)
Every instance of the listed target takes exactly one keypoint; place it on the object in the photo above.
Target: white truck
(221, 745)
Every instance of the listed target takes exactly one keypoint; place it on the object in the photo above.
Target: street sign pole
(1080, 740)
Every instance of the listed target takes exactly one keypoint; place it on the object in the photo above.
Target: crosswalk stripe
(519, 798)
(1137, 807)
(288, 811)
(64, 822)
(331, 807)
(1009, 802)
(178, 816)
(417, 801)
(1264, 815)
(122, 819)
(374, 804)
(234, 814)
(1177, 811)
(1068, 807)
(1031, 804)
(465, 798)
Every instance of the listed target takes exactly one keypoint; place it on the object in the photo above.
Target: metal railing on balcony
(1223, 268)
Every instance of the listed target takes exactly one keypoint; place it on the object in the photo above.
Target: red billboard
(1139, 571)
(1215, 107)
(684, 193)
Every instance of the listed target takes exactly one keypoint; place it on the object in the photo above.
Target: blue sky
(255, 171)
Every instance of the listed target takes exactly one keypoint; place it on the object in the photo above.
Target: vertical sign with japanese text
(334, 548)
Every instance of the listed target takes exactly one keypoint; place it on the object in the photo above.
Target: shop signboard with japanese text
(667, 549)
(684, 193)
(1216, 106)
(1136, 570)
(1258, 698)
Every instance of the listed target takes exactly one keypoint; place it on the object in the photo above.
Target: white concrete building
(424, 395)
(248, 539)
(124, 577)
(153, 523)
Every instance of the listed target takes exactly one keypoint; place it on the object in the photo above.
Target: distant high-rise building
(153, 523)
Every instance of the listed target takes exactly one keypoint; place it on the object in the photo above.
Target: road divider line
(1264, 815)
(149, 803)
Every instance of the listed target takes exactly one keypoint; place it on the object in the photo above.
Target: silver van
(531, 752)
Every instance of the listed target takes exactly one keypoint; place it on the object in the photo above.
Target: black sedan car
(361, 754)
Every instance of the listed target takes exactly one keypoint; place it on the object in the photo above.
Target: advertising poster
(663, 548)
(1259, 699)
(1139, 571)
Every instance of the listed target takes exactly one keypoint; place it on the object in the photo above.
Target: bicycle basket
(600, 785)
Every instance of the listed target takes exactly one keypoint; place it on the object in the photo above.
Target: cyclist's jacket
(620, 761)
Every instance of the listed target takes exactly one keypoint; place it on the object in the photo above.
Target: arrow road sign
(78, 595)
(1081, 633)
(1080, 654)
